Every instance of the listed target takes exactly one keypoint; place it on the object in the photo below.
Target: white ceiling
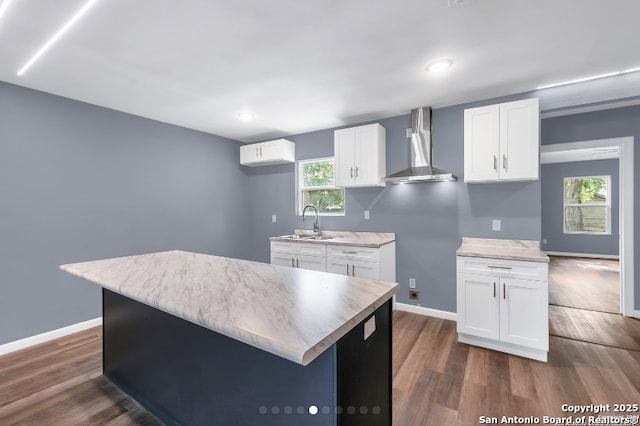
(300, 65)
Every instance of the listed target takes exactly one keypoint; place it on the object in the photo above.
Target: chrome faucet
(316, 228)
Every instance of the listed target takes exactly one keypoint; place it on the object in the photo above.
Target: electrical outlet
(366, 214)
(496, 225)
(408, 131)
(414, 294)
(412, 283)
(273, 218)
(544, 241)
(369, 327)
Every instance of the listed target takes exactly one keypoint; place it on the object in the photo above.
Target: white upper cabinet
(360, 156)
(501, 142)
(279, 151)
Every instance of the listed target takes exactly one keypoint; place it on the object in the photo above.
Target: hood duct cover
(421, 169)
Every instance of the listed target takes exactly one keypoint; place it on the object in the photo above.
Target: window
(587, 205)
(316, 187)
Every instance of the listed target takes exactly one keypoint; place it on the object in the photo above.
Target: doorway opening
(575, 151)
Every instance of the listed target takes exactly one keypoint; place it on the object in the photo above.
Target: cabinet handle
(347, 269)
(356, 171)
(499, 267)
(297, 263)
(351, 172)
(494, 290)
(257, 155)
(260, 151)
(349, 252)
(495, 163)
(353, 270)
(504, 291)
(293, 263)
(504, 162)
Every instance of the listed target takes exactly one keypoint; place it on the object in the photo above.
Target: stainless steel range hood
(421, 169)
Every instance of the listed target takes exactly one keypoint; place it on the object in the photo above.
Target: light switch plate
(412, 283)
(366, 214)
(369, 327)
(496, 224)
(273, 218)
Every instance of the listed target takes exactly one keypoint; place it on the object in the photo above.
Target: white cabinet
(279, 151)
(501, 142)
(375, 263)
(503, 305)
(367, 262)
(360, 156)
(299, 255)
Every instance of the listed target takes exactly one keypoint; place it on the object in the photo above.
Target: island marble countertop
(293, 313)
(502, 249)
(341, 238)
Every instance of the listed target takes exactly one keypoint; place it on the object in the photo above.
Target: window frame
(300, 186)
(606, 206)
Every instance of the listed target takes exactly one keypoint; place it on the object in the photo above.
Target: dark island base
(186, 374)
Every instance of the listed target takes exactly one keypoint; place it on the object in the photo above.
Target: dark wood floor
(584, 283)
(584, 303)
(61, 383)
(436, 380)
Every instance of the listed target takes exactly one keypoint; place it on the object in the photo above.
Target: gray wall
(80, 182)
(428, 218)
(611, 123)
(553, 208)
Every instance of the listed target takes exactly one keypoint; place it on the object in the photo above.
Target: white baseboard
(637, 314)
(594, 256)
(426, 311)
(49, 335)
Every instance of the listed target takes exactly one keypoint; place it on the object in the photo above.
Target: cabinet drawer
(311, 249)
(283, 247)
(354, 253)
(537, 271)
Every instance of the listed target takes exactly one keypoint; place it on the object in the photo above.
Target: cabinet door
(365, 270)
(353, 268)
(481, 143)
(338, 266)
(367, 156)
(249, 154)
(344, 156)
(478, 305)
(519, 140)
(282, 259)
(524, 312)
(312, 262)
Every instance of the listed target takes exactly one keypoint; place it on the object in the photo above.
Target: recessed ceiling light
(245, 116)
(593, 77)
(4, 6)
(57, 35)
(439, 66)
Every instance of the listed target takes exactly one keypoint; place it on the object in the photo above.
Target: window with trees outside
(587, 205)
(316, 187)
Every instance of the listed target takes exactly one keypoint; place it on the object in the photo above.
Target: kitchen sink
(305, 237)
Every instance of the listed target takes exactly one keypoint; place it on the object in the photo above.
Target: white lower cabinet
(367, 262)
(354, 268)
(299, 255)
(377, 263)
(504, 305)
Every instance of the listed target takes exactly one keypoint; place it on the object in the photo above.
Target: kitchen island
(201, 339)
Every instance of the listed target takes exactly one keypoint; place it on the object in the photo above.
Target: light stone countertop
(292, 313)
(342, 238)
(502, 249)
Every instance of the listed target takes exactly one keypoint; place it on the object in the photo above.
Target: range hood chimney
(421, 169)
